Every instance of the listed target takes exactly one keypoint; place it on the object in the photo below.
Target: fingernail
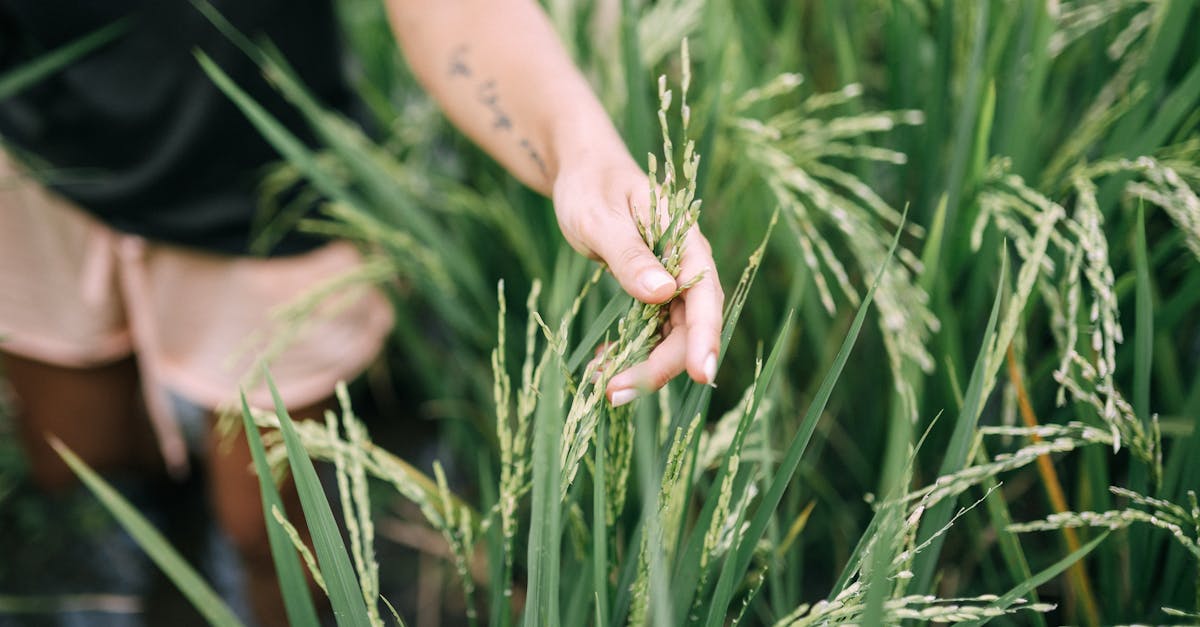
(710, 367)
(622, 397)
(654, 280)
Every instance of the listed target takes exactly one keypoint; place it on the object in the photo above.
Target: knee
(246, 527)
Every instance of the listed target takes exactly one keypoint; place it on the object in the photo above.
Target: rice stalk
(1081, 246)
(379, 463)
(925, 608)
(1076, 19)
(1065, 234)
(661, 24)
(356, 507)
(1181, 523)
(669, 508)
(787, 150)
(306, 555)
(639, 329)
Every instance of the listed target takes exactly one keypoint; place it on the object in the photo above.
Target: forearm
(501, 75)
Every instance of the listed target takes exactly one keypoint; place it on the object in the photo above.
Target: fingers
(601, 221)
(617, 242)
(705, 301)
(693, 331)
(664, 363)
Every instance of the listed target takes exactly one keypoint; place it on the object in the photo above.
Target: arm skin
(500, 74)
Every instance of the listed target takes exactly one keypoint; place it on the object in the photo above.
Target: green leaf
(345, 595)
(1141, 554)
(23, 76)
(599, 526)
(638, 110)
(1042, 577)
(545, 533)
(959, 445)
(616, 306)
(968, 111)
(696, 398)
(293, 585)
(661, 612)
(739, 561)
(688, 570)
(1010, 545)
(1144, 321)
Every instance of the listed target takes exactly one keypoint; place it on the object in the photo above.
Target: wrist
(586, 137)
(584, 146)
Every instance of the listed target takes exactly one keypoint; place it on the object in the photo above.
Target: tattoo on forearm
(487, 95)
(535, 157)
(458, 62)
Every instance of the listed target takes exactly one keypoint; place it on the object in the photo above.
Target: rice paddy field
(960, 374)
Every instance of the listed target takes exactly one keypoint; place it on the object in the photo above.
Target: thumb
(636, 268)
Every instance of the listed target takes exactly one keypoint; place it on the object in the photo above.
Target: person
(125, 280)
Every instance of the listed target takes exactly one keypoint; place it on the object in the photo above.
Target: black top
(139, 134)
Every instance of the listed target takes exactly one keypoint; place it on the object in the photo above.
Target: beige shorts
(76, 293)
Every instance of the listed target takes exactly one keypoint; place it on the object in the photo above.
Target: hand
(596, 209)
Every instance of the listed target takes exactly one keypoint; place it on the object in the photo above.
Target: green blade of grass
(1131, 136)
(625, 578)
(1018, 592)
(345, 594)
(638, 110)
(1183, 474)
(579, 590)
(1141, 555)
(23, 76)
(687, 572)
(931, 255)
(189, 582)
(1144, 321)
(1024, 85)
(661, 612)
(545, 532)
(292, 583)
(1172, 111)
(966, 122)
(600, 527)
(616, 306)
(277, 135)
(739, 561)
(499, 604)
(1010, 545)
(718, 29)
(697, 397)
(1170, 29)
(956, 452)
(895, 475)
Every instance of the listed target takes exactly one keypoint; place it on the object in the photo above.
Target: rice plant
(959, 377)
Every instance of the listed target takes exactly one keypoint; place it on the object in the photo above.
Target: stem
(1077, 574)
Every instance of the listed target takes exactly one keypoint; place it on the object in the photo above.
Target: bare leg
(238, 504)
(97, 412)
